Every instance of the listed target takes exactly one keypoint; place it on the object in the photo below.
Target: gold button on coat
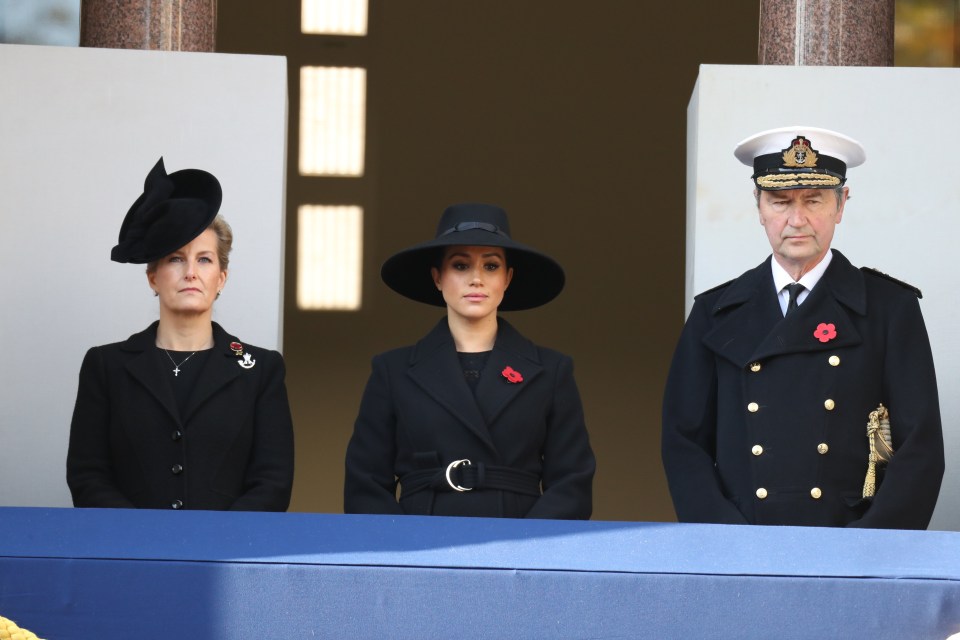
(757, 450)
(753, 407)
(761, 493)
(755, 367)
(829, 404)
(815, 493)
(834, 361)
(823, 448)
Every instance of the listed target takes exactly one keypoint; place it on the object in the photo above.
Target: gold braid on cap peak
(10, 631)
(784, 180)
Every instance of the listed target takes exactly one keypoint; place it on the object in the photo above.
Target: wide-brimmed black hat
(172, 210)
(537, 278)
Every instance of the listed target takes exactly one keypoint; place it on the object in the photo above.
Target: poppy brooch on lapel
(825, 332)
(248, 361)
(512, 375)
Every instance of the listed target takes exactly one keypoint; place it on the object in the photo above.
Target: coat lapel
(142, 365)
(435, 368)
(796, 334)
(753, 327)
(495, 391)
(746, 313)
(220, 369)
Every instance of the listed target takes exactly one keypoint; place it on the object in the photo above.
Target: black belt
(462, 475)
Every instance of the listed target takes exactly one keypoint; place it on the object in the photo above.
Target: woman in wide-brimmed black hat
(182, 415)
(473, 420)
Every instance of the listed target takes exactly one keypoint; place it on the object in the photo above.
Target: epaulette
(716, 288)
(881, 274)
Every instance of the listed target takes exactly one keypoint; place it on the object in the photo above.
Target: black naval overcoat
(418, 414)
(764, 423)
(131, 448)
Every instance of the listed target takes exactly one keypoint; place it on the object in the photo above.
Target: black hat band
(774, 162)
(468, 226)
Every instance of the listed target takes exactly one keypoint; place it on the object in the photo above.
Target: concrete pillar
(827, 32)
(166, 25)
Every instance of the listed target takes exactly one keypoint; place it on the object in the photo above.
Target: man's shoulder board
(716, 288)
(883, 275)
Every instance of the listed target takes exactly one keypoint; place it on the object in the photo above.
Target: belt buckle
(450, 467)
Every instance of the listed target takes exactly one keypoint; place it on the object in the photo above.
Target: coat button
(176, 504)
(834, 361)
(755, 367)
(176, 469)
(815, 493)
(176, 435)
(761, 493)
(829, 404)
(823, 448)
(753, 407)
(757, 450)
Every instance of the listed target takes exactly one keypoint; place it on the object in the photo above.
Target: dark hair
(437, 261)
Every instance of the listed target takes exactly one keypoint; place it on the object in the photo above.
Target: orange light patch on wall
(332, 120)
(334, 17)
(329, 257)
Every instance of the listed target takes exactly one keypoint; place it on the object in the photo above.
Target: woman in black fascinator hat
(474, 419)
(182, 415)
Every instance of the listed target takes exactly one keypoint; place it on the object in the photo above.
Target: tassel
(10, 631)
(881, 447)
(870, 482)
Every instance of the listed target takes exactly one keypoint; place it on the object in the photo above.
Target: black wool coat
(231, 450)
(418, 414)
(765, 424)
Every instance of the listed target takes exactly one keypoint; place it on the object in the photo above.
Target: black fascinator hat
(173, 210)
(537, 278)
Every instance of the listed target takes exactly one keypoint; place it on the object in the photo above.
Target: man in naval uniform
(776, 373)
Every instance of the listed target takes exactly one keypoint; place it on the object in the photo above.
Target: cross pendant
(176, 371)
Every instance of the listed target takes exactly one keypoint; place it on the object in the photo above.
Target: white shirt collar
(809, 280)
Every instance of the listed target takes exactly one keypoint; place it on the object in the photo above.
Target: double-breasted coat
(764, 423)
(418, 414)
(232, 449)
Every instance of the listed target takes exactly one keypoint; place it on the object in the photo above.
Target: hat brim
(836, 144)
(537, 278)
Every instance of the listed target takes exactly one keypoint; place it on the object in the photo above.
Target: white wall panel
(903, 217)
(79, 130)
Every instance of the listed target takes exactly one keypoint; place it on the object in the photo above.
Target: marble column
(827, 32)
(167, 25)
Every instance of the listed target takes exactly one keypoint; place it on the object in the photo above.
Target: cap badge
(800, 154)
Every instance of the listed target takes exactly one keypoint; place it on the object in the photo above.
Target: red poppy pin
(237, 348)
(825, 332)
(512, 375)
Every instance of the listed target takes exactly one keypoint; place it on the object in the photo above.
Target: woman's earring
(155, 293)
(219, 292)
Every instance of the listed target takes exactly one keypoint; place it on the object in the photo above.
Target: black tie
(794, 291)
